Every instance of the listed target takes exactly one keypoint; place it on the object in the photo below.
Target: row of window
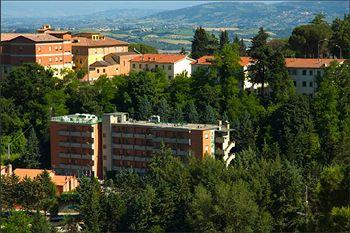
(50, 59)
(304, 72)
(50, 48)
(304, 84)
(155, 66)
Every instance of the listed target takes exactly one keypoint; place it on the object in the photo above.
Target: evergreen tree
(191, 114)
(200, 43)
(144, 109)
(209, 115)
(241, 46)
(183, 51)
(164, 110)
(224, 39)
(178, 115)
(46, 189)
(31, 155)
(40, 224)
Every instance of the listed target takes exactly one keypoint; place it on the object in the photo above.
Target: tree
(200, 43)
(178, 116)
(340, 40)
(209, 115)
(241, 46)
(144, 109)
(18, 221)
(191, 114)
(260, 53)
(164, 110)
(89, 207)
(46, 192)
(142, 48)
(224, 39)
(40, 224)
(31, 155)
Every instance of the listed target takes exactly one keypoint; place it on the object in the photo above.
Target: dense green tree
(17, 222)
(144, 109)
(90, 192)
(241, 46)
(340, 40)
(41, 224)
(164, 110)
(178, 115)
(199, 43)
(31, 155)
(224, 39)
(142, 48)
(46, 192)
(209, 115)
(191, 114)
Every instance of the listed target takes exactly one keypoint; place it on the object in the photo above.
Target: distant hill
(278, 17)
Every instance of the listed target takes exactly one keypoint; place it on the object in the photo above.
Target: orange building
(76, 145)
(51, 49)
(131, 144)
(63, 183)
(98, 55)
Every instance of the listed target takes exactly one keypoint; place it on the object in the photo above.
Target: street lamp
(338, 46)
(318, 47)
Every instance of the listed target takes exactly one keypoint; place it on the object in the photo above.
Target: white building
(172, 64)
(304, 71)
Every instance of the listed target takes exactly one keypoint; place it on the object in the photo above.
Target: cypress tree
(191, 114)
(224, 39)
(31, 155)
(199, 43)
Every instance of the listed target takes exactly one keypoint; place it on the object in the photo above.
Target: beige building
(89, 48)
(172, 64)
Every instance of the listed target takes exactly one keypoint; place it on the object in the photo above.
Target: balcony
(75, 134)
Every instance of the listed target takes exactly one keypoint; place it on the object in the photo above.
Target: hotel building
(130, 144)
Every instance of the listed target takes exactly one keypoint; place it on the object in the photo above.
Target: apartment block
(115, 142)
(172, 64)
(51, 49)
(130, 144)
(76, 145)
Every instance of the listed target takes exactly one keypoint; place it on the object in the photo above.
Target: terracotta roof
(160, 58)
(30, 173)
(208, 60)
(310, 62)
(112, 59)
(87, 42)
(33, 37)
(100, 64)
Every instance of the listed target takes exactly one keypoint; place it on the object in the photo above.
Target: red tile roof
(208, 60)
(159, 58)
(33, 37)
(30, 173)
(310, 62)
(106, 42)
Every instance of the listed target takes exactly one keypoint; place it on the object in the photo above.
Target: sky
(65, 8)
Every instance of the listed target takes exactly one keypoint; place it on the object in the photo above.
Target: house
(172, 64)
(51, 49)
(91, 47)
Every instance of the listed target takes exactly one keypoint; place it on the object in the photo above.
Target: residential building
(76, 145)
(63, 183)
(304, 71)
(111, 65)
(124, 143)
(130, 144)
(51, 49)
(90, 47)
(172, 64)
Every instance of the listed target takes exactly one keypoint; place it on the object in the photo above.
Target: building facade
(51, 49)
(129, 144)
(89, 48)
(172, 64)
(76, 145)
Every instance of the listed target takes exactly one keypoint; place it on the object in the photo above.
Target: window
(146, 65)
(39, 61)
(304, 72)
(20, 48)
(134, 66)
(295, 83)
(206, 136)
(311, 84)
(123, 63)
(311, 72)
(140, 66)
(56, 58)
(319, 73)
(56, 48)
(61, 59)
(39, 48)
(169, 67)
(50, 48)
(304, 83)
(50, 59)
(156, 66)
(95, 51)
(170, 76)
(98, 71)
(104, 70)
(60, 47)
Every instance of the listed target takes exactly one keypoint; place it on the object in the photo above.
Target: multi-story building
(51, 49)
(131, 144)
(172, 64)
(304, 71)
(84, 144)
(76, 145)
(89, 47)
